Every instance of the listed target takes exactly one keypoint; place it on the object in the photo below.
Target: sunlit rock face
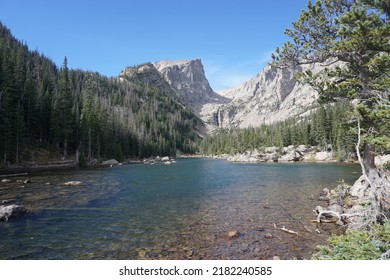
(273, 95)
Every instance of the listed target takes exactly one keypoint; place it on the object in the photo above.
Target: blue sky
(234, 39)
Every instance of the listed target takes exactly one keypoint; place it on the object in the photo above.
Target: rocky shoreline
(352, 206)
(285, 154)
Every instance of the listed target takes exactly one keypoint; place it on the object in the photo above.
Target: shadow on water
(180, 211)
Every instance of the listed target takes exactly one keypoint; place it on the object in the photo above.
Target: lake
(179, 211)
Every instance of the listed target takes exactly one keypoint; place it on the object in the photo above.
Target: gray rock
(233, 234)
(11, 211)
(274, 157)
(268, 235)
(292, 155)
(324, 198)
(323, 156)
(336, 208)
(73, 183)
(164, 159)
(110, 162)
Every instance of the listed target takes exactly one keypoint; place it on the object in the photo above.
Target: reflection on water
(180, 211)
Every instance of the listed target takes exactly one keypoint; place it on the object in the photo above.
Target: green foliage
(357, 245)
(74, 110)
(327, 125)
(351, 39)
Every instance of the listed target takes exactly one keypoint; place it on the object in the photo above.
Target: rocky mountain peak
(273, 95)
(189, 79)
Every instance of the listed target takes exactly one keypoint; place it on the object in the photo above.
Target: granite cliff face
(273, 95)
(184, 80)
(148, 74)
(188, 79)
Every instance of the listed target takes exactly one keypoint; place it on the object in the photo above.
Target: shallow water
(180, 211)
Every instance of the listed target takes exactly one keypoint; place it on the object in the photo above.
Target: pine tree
(351, 40)
(64, 106)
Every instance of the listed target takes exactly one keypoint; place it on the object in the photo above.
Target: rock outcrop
(11, 211)
(273, 95)
(184, 80)
(285, 154)
(110, 162)
(187, 78)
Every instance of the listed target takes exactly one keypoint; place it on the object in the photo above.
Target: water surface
(179, 211)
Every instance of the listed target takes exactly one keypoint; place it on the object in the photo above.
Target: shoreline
(291, 154)
(269, 155)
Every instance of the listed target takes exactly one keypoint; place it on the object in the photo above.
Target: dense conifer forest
(71, 112)
(326, 127)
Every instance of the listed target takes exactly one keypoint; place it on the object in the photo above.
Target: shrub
(357, 245)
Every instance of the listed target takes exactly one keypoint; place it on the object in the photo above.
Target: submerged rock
(11, 211)
(233, 234)
(268, 235)
(73, 183)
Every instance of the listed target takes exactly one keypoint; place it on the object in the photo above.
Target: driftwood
(332, 216)
(309, 230)
(286, 230)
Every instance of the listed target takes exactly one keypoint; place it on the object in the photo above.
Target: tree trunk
(65, 147)
(369, 156)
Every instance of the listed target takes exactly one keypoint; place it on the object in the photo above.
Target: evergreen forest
(326, 127)
(83, 115)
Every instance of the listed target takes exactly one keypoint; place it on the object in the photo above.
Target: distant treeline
(326, 127)
(73, 111)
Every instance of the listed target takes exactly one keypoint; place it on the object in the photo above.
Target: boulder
(270, 150)
(268, 235)
(274, 157)
(11, 211)
(233, 234)
(324, 198)
(381, 160)
(358, 188)
(302, 148)
(288, 149)
(165, 159)
(323, 156)
(292, 155)
(110, 162)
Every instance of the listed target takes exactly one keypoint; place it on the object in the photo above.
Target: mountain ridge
(272, 95)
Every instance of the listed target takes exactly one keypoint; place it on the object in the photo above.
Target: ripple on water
(181, 211)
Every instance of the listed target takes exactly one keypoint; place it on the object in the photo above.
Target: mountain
(273, 95)
(62, 113)
(184, 80)
(188, 79)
